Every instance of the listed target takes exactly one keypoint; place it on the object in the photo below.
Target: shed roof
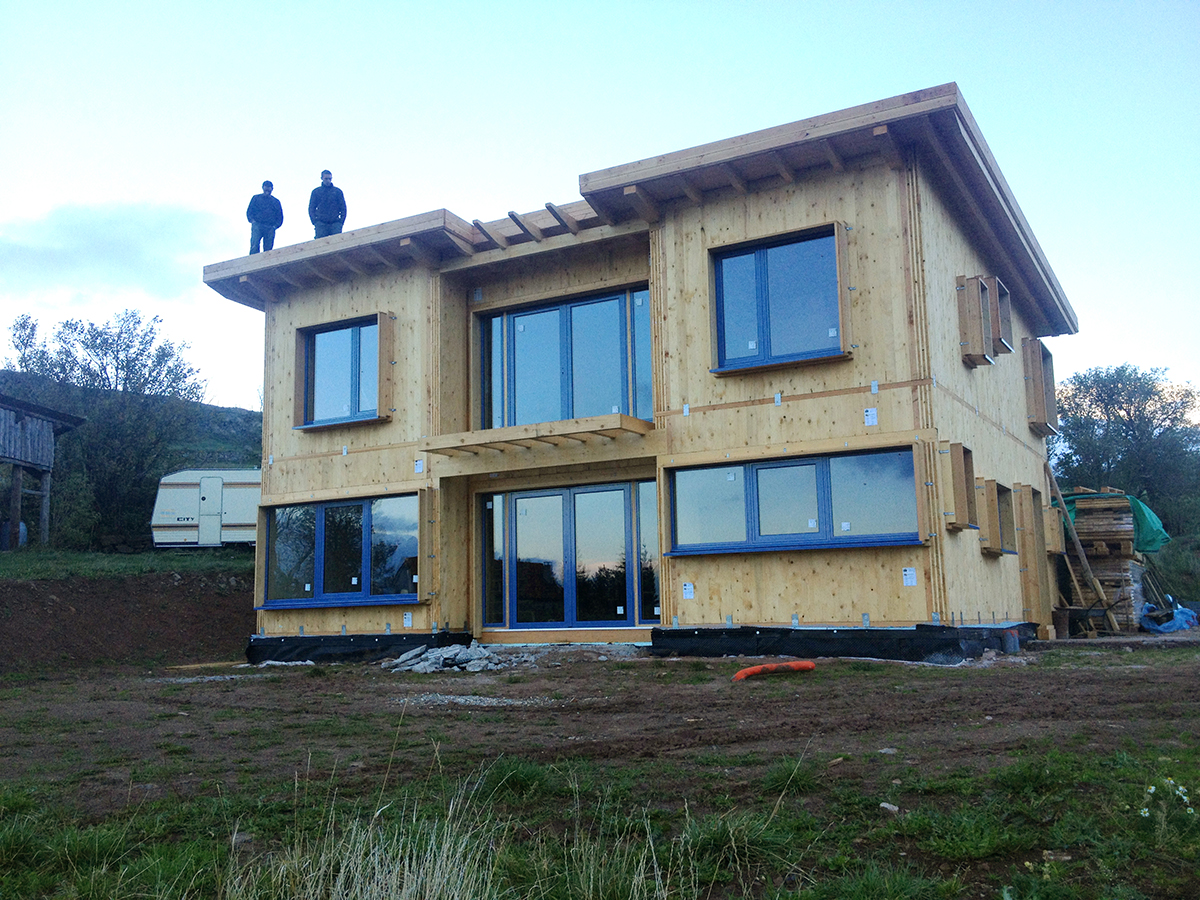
(934, 123)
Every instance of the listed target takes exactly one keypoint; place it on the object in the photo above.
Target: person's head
(326, 177)
(268, 187)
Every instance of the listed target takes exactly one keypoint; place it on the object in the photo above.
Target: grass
(37, 564)
(1051, 819)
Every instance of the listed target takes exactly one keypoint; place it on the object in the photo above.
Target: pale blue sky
(134, 133)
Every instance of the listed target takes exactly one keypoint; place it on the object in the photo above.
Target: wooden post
(14, 508)
(44, 516)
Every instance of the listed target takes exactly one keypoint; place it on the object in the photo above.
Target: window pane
(537, 367)
(710, 506)
(643, 391)
(331, 371)
(493, 559)
(540, 563)
(739, 306)
(802, 297)
(493, 368)
(291, 552)
(648, 561)
(597, 363)
(368, 369)
(873, 494)
(601, 588)
(394, 522)
(343, 550)
(787, 500)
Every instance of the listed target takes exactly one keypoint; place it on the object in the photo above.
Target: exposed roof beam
(282, 272)
(565, 219)
(784, 170)
(983, 222)
(466, 248)
(309, 266)
(420, 253)
(527, 226)
(260, 287)
(646, 208)
(693, 193)
(739, 183)
(492, 234)
(355, 267)
(832, 155)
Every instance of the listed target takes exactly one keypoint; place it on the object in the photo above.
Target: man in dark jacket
(264, 214)
(327, 207)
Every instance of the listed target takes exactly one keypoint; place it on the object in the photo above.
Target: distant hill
(106, 472)
(210, 436)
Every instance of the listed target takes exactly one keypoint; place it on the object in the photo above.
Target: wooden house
(27, 435)
(790, 378)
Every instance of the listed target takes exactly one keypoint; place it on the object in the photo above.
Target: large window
(343, 553)
(780, 302)
(835, 501)
(341, 373)
(560, 557)
(581, 358)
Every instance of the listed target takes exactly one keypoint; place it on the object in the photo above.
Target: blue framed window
(558, 558)
(569, 360)
(861, 499)
(343, 553)
(779, 302)
(341, 372)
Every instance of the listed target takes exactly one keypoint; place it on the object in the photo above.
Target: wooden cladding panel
(865, 215)
(1039, 387)
(26, 439)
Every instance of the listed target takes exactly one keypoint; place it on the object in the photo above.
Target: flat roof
(935, 123)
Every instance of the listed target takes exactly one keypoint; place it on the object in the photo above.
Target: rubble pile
(455, 658)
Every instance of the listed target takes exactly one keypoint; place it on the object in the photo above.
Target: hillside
(106, 472)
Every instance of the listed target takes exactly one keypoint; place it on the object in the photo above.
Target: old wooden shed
(793, 378)
(27, 433)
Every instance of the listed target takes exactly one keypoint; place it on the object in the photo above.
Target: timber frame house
(796, 375)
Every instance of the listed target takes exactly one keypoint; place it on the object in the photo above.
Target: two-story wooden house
(790, 378)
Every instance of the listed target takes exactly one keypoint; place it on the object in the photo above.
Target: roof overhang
(935, 123)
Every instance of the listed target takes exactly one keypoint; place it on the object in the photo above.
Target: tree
(124, 354)
(134, 389)
(1131, 429)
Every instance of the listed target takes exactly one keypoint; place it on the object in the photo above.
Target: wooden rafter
(832, 155)
(693, 193)
(564, 218)
(645, 205)
(492, 234)
(527, 226)
(784, 170)
(738, 182)
(466, 248)
(419, 252)
(310, 266)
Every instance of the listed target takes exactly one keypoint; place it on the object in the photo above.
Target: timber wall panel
(356, 619)
(312, 462)
(982, 408)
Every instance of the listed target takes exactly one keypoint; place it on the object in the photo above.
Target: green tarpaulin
(1148, 532)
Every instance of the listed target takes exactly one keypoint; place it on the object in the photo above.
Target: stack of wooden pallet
(1105, 528)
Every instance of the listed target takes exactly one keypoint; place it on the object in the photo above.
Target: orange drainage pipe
(799, 665)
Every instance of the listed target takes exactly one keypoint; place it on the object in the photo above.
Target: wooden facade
(920, 361)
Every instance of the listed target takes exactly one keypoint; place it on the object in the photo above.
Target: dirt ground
(77, 644)
(111, 708)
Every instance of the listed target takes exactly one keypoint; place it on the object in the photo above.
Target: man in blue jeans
(327, 207)
(265, 214)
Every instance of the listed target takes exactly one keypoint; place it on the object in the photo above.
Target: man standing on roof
(327, 207)
(265, 214)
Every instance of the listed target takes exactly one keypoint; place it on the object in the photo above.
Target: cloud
(155, 249)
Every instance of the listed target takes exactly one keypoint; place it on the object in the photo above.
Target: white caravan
(207, 508)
